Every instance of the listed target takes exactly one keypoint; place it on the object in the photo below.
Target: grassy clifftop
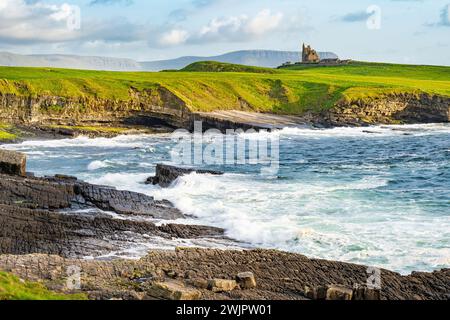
(290, 91)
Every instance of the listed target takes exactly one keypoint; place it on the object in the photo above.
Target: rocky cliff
(388, 109)
(148, 107)
(385, 109)
(160, 106)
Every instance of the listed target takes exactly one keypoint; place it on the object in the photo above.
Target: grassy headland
(214, 66)
(216, 86)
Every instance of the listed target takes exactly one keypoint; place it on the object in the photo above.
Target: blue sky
(405, 31)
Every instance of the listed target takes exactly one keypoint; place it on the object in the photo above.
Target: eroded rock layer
(161, 107)
(150, 107)
(64, 216)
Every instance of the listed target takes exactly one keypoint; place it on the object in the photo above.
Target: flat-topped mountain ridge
(260, 58)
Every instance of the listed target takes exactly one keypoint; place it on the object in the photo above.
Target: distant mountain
(259, 58)
(68, 61)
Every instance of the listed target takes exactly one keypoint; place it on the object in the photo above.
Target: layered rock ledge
(159, 107)
(71, 218)
(189, 274)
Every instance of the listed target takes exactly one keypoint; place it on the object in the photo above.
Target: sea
(377, 196)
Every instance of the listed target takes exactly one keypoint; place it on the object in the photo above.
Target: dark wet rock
(69, 234)
(166, 174)
(126, 202)
(65, 177)
(63, 192)
(62, 215)
(13, 163)
(36, 193)
(183, 231)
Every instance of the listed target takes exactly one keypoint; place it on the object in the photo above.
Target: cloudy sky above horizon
(404, 31)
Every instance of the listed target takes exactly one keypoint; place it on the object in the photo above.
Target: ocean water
(378, 196)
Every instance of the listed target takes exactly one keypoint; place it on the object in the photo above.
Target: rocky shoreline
(28, 132)
(50, 224)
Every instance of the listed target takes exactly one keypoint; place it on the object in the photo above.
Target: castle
(309, 55)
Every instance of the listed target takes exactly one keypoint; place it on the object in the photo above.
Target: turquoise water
(378, 196)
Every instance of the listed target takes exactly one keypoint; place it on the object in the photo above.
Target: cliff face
(387, 109)
(390, 109)
(159, 106)
(152, 106)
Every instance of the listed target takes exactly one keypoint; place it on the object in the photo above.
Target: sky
(402, 31)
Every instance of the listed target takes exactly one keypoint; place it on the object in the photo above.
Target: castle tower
(309, 55)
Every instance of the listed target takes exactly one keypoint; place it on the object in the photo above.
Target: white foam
(312, 218)
(141, 248)
(123, 141)
(368, 132)
(123, 181)
(98, 164)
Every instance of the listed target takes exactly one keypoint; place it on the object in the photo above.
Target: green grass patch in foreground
(286, 91)
(13, 288)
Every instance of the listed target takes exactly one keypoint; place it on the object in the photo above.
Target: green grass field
(291, 90)
(12, 288)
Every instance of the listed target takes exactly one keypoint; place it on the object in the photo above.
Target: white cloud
(174, 37)
(24, 21)
(239, 28)
(264, 21)
(219, 26)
